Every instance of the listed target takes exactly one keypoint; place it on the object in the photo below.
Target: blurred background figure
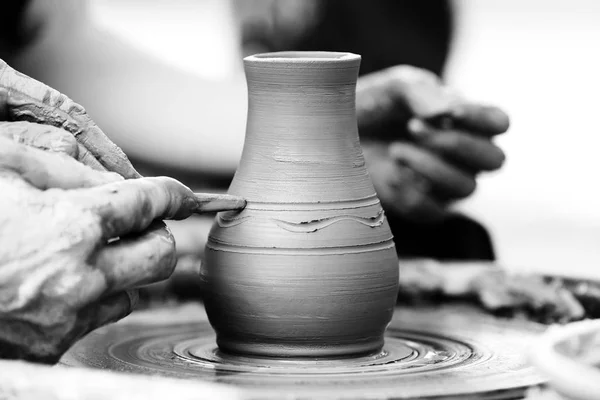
(147, 70)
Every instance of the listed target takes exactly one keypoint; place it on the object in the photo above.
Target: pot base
(298, 350)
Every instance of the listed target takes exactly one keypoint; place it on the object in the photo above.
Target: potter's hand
(424, 145)
(75, 241)
(25, 99)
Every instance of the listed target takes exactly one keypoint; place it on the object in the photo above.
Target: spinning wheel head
(447, 352)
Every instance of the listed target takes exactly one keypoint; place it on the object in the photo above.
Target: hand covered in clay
(75, 238)
(424, 145)
(74, 241)
(23, 99)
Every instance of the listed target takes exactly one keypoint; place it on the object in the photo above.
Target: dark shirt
(384, 32)
(14, 32)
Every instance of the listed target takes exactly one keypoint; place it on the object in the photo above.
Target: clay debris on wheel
(499, 291)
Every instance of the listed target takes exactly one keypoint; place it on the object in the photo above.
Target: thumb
(400, 93)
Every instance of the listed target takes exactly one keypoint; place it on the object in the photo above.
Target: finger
(46, 170)
(130, 206)
(482, 119)
(94, 315)
(415, 205)
(26, 99)
(84, 156)
(44, 137)
(473, 152)
(50, 138)
(404, 192)
(134, 261)
(445, 178)
(400, 92)
(106, 310)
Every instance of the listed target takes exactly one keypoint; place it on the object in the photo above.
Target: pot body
(309, 267)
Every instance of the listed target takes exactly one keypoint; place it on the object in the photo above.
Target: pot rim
(287, 57)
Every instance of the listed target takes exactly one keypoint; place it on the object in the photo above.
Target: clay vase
(309, 267)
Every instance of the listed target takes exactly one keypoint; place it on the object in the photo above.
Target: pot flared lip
(303, 57)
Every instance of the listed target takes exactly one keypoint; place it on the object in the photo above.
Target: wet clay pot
(309, 267)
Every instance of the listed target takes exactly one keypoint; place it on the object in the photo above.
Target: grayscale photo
(300, 199)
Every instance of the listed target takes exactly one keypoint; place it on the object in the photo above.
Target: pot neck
(302, 84)
(301, 135)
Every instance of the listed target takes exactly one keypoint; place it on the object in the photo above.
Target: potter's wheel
(443, 352)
